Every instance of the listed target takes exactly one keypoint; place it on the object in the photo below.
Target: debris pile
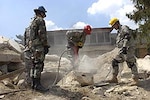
(85, 82)
(10, 61)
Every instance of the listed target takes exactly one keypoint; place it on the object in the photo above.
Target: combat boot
(39, 87)
(115, 72)
(113, 80)
(135, 81)
(135, 76)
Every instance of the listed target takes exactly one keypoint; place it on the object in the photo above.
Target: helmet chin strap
(43, 14)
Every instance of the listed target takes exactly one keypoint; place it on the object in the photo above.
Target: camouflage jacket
(38, 34)
(124, 37)
(76, 36)
(26, 39)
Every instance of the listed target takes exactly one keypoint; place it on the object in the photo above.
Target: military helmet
(40, 8)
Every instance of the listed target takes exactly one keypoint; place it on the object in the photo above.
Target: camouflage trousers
(28, 65)
(37, 58)
(130, 60)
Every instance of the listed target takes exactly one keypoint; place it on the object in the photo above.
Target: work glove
(46, 49)
(124, 50)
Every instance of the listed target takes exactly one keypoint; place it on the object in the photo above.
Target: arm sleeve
(83, 38)
(69, 35)
(127, 36)
(42, 32)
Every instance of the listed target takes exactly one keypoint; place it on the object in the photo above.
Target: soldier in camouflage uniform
(27, 56)
(76, 40)
(38, 48)
(126, 45)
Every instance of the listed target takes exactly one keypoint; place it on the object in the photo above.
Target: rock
(143, 63)
(1, 73)
(2, 96)
(84, 78)
(98, 91)
(110, 90)
(53, 58)
(86, 98)
(9, 56)
(10, 51)
(11, 44)
(7, 82)
(3, 69)
(21, 84)
(77, 79)
(124, 89)
(69, 80)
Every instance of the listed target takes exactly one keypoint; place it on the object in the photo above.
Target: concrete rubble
(77, 79)
(10, 50)
(10, 60)
(91, 71)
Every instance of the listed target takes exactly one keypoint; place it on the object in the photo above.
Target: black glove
(79, 46)
(46, 49)
(124, 50)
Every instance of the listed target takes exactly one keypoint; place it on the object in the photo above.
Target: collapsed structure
(10, 58)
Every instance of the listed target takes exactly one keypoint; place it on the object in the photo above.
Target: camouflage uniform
(38, 41)
(76, 40)
(125, 40)
(36, 49)
(27, 56)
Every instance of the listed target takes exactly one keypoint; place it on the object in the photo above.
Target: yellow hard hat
(113, 21)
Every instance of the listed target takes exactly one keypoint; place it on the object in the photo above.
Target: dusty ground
(99, 91)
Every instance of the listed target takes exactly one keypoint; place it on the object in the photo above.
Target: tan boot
(135, 81)
(113, 80)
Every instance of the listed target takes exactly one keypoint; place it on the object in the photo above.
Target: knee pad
(36, 70)
(114, 63)
(130, 64)
(39, 66)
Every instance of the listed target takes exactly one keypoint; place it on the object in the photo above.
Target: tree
(20, 39)
(141, 16)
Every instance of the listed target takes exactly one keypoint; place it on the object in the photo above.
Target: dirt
(99, 91)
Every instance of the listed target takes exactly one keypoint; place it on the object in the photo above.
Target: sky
(15, 15)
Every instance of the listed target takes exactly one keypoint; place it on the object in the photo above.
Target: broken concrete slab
(10, 51)
(143, 63)
(76, 79)
(9, 56)
(12, 74)
(5, 42)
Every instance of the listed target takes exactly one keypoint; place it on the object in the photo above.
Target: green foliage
(141, 16)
